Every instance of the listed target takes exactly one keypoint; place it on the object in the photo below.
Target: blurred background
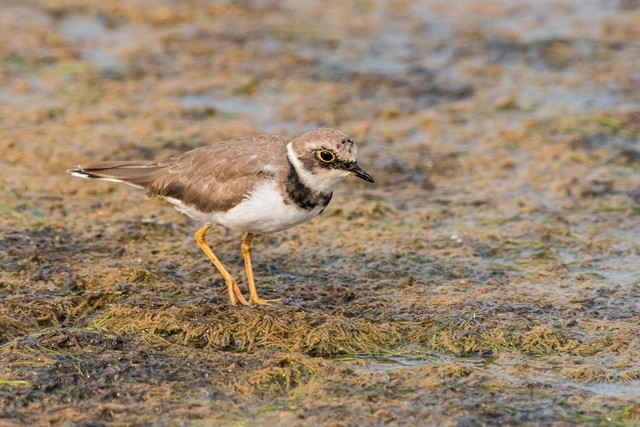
(489, 276)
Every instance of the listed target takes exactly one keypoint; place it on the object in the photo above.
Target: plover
(253, 185)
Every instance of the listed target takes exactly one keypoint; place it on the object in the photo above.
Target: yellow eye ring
(326, 156)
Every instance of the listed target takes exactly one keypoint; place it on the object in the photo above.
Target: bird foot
(255, 300)
(235, 296)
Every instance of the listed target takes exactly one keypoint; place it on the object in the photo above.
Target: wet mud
(490, 276)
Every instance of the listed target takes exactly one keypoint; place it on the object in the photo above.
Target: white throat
(323, 182)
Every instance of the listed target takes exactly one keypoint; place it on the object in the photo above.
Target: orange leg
(234, 292)
(246, 254)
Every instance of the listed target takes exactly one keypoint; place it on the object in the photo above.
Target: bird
(255, 185)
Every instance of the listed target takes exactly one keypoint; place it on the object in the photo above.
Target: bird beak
(356, 170)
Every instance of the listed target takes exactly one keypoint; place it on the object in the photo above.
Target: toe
(260, 301)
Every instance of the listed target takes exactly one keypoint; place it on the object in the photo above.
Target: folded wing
(213, 178)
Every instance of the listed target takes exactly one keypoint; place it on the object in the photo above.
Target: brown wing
(218, 177)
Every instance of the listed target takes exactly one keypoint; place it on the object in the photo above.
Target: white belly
(263, 211)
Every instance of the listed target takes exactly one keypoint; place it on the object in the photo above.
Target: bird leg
(234, 292)
(246, 254)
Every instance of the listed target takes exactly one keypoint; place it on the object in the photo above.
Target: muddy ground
(490, 276)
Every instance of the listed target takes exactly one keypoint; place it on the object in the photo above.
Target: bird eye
(326, 156)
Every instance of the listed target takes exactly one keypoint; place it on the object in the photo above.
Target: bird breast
(264, 210)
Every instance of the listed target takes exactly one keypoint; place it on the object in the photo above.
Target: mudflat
(490, 276)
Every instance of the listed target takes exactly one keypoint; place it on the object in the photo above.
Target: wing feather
(218, 177)
(213, 178)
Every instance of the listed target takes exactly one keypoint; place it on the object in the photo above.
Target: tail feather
(135, 173)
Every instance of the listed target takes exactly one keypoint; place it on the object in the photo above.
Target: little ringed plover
(253, 185)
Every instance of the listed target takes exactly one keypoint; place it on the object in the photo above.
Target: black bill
(360, 173)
